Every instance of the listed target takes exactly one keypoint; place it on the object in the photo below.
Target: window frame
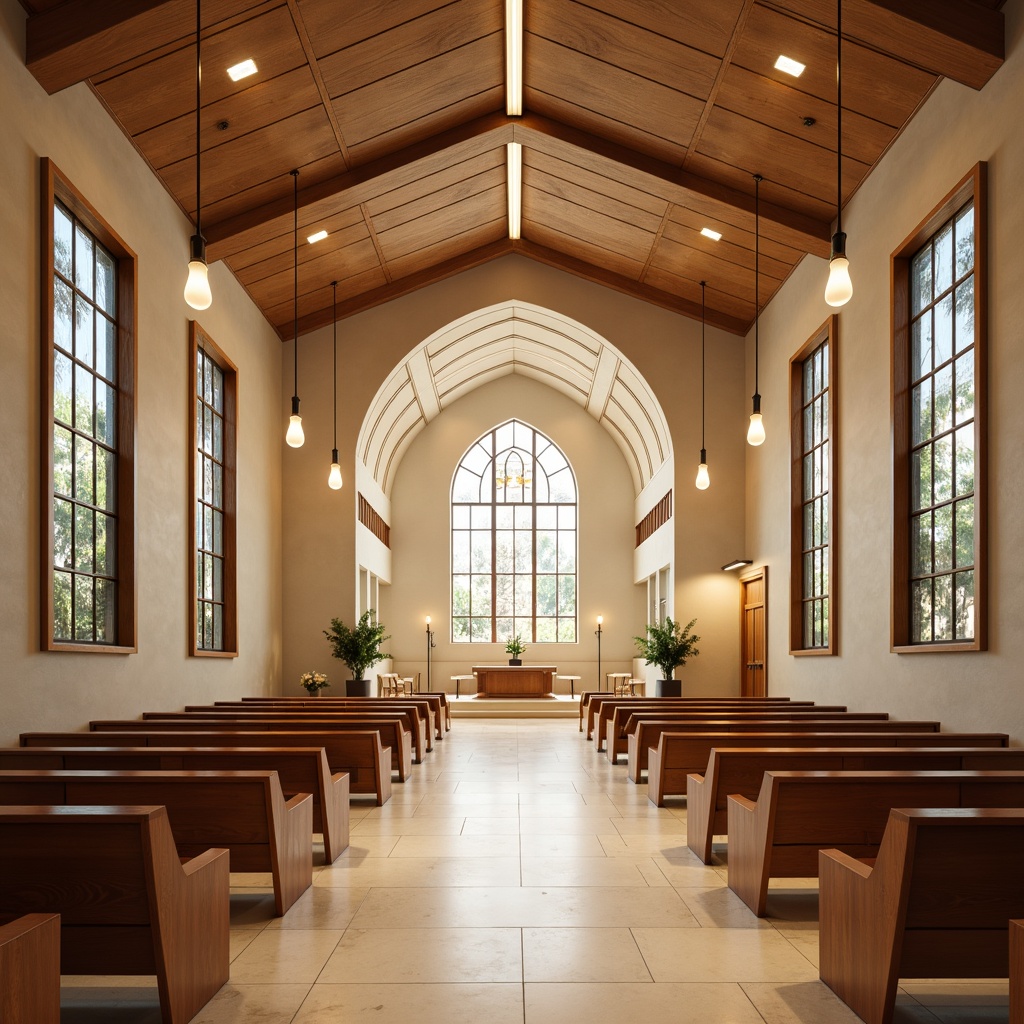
(494, 504)
(827, 333)
(200, 339)
(973, 186)
(55, 186)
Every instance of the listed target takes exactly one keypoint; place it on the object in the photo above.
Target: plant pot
(515, 661)
(357, 687)
(668, 688)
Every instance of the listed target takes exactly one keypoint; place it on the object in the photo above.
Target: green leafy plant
(514, 646)
(359, 647)
(668, 645)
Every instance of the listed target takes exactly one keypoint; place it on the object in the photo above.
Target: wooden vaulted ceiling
(644, 121)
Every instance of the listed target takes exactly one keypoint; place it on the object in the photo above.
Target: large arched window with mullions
(514, 539)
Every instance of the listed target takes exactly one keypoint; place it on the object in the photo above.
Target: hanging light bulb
(295, 436)
(839, 287)
(703, 479)
(755, 432)
(334, 477)
(197, 285)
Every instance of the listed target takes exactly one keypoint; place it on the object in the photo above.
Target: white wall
(320, 559)
(45, 691)
(956, 128)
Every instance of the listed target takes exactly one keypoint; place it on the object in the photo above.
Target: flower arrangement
(313, 682)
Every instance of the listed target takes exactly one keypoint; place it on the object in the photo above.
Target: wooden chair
(127, 904)
(934, 903)
(30, 970)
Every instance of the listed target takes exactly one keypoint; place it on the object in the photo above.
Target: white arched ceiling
(515, 337)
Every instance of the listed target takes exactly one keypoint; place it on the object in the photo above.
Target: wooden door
(754, 631)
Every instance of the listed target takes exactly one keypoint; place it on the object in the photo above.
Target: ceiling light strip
(514, 153)
(513, 57)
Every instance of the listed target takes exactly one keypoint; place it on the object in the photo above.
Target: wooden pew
(1017, 972)
(622, 722)
(393, 732)
(300, 769)
(413, 725)
(740, 770)
(799, 813)
(680, 753)
(359, 754)
(599, 701)
(432, 701)
(30, 970)
(597, 696)
(422, 723)
(244, 812)
(127, 904)
(935, 904)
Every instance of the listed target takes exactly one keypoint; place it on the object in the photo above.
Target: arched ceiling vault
(515, 337)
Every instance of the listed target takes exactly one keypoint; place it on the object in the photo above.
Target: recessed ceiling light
(713, 235)
(790, 66)
(243, 70)
(318, 237)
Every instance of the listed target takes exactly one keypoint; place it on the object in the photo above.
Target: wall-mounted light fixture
(295, 437)
(737, 563)
(197, 285)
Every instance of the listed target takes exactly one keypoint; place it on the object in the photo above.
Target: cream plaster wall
(956, 128)
(59, 691)
(319, 542)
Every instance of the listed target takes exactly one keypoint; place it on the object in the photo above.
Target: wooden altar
(514, 680)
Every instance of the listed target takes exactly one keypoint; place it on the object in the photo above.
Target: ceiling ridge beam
(357, 185)
(671, 183)
(626, 285)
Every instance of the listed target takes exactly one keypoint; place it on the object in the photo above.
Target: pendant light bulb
(334, 479)
(703, 479)
(295, 437)
(839, 288)
(197, 286)
(755, 432)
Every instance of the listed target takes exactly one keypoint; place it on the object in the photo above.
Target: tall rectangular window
(812, 575)
(88, 383)
(938, 373)
(213, 403)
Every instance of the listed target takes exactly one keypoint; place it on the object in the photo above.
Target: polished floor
(520, 878)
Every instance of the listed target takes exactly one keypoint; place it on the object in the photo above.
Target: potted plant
(515, 646)
(668, 645)
(313, 682)
(359, 648)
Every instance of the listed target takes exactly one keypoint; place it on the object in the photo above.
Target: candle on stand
(597, 633)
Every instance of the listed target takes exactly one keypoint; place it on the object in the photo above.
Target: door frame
(751, 576)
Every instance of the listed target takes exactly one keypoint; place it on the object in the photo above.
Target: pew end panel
(30, 969)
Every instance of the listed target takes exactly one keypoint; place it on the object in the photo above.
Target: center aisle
(519, 877)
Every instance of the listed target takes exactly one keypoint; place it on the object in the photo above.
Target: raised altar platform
(479, 706)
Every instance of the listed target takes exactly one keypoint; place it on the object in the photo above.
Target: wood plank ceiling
(644, 121)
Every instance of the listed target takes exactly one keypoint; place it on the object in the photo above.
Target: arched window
(514, 540)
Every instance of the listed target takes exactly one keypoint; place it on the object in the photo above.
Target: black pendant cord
(839, 117)
(757, 284)
(199, 93)
(702, 315)
(295, 282)
(334, 285)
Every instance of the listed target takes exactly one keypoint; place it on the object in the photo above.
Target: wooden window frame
(974, 185)
(828, 333)
(199, 339)
(54, 186)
